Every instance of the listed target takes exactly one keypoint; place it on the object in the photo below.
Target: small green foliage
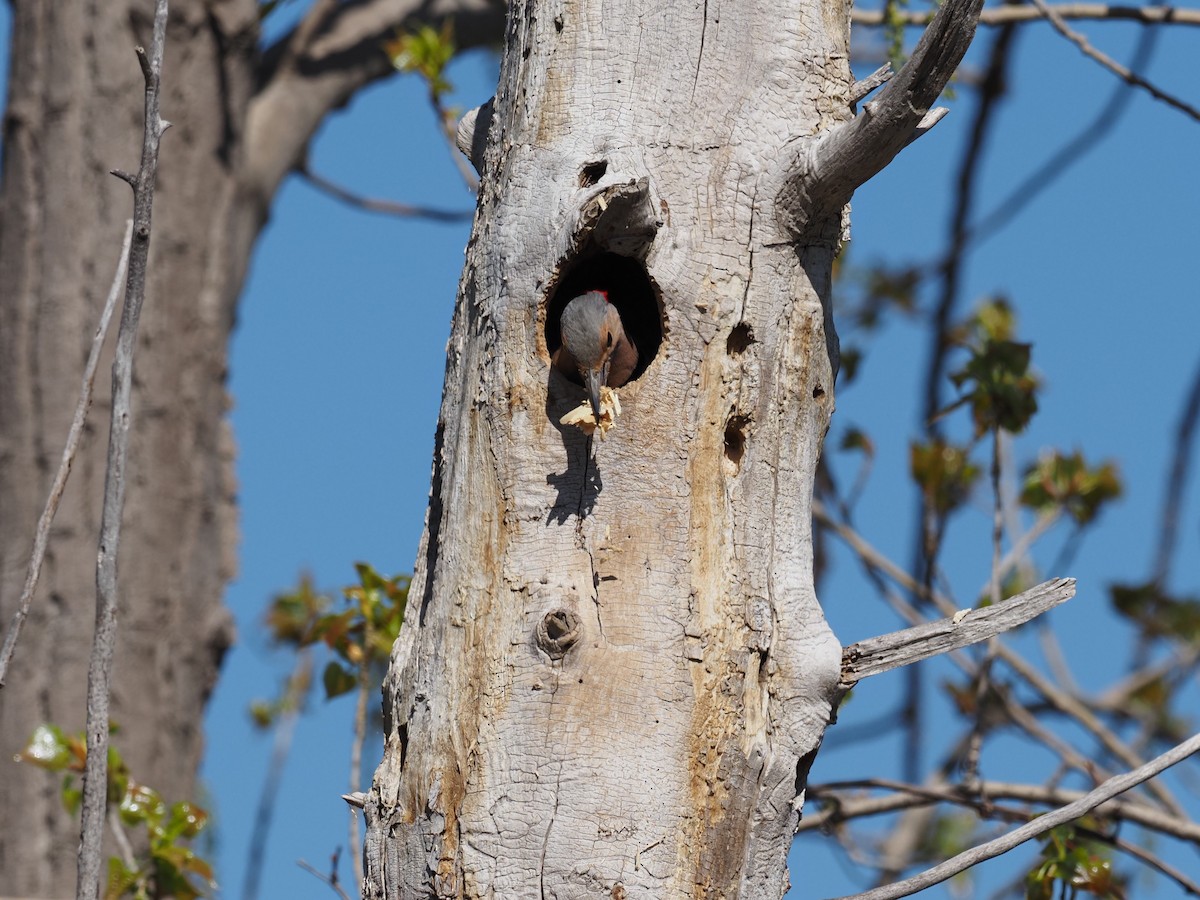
(338, 680)
(1062, 481)
(944, 473)
(50, 749)
(169, 868)
(1001, 390)
(1157, 613)
(426, 51)
(360, 636)
(1075, 864)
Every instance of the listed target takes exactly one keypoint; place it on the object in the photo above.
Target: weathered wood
(660, 754)
(970, 626)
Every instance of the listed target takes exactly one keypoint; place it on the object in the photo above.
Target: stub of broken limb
(583, 418)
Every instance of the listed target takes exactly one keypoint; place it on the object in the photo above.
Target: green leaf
(425, 51)
(141, 805)
(72, 797)
(338, 681)
(185, 821)
(121, 879)
(944, 472)
(1056, 480)
(47, 749)
(263, 714)
(1158, 613)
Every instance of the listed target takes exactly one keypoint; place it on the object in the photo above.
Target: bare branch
(1185, 437)
(323, 62)
(1008, 15)
(294, 696)
(966, 627)
(1111, 788)
(1057, 698)
(330, 880)
(42, 535)
(95, 782)
(843, 808)
(878, 78)
(375, 205)
(1111, 64)
(826, 171)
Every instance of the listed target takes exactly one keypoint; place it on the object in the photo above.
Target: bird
(595, 346)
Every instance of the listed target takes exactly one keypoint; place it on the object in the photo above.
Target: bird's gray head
(591, 327)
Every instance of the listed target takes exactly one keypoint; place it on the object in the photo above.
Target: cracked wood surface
(658, 752)
(969, 626)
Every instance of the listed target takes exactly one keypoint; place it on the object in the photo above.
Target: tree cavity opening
(736, 429)
(629, 288)
(592, 172)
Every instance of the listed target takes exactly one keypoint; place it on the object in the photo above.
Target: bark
(614, 673)
(241, 121)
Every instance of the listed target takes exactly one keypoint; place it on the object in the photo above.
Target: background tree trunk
(614, 672)
(74, 112)
(243, 117)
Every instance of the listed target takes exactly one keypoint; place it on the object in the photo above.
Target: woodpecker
(594, 345)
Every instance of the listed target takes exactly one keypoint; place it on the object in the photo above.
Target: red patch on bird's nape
(603, 294)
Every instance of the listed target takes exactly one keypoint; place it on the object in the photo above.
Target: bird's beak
(595, 378)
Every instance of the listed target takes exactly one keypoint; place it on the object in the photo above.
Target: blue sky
(337, 368)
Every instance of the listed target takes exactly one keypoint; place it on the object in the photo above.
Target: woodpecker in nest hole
(595, 346)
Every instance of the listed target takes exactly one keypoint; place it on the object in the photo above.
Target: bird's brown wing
(622, 362)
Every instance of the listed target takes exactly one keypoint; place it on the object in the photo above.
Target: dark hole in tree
(740, 338)
(818, 392)
(592, 172)
(629, 289)
(735, 438)
(556, 626)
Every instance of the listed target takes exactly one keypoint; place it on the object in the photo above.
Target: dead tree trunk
(614, 673)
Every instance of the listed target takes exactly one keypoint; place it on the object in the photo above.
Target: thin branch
(375, 205)
(95, 783)
(356, 748)
(1009, 15)
(1022, 545)
(909, 797)
(42, 536)
(1185, 438)
(1070, 153)
(330, 880)
(1057, 698)
(1111, 788)
(878, 78)
(842, 808)
(1111, 64)
(321, 64)
(120, 838)
(285, 728)
(901, 648)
